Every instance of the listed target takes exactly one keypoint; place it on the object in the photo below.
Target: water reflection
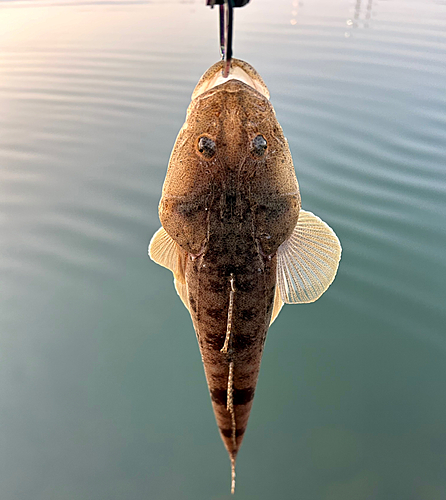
(296, 5)
(101, 384)
(362, 16)
(363, 11)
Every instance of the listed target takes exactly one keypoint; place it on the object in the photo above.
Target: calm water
(102, 391)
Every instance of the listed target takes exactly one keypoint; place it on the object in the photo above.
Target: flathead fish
(235, 237)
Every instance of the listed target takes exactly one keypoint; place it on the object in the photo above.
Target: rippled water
(102, 393)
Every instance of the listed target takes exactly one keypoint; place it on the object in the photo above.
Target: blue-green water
(102, 391)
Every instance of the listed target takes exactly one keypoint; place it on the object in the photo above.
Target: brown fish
(235, 237)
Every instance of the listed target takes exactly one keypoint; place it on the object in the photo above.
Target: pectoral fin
(167, 253)
(307, 261)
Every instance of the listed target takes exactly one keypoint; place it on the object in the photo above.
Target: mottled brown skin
(229, 214)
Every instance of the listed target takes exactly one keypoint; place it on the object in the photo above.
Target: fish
(235, 237)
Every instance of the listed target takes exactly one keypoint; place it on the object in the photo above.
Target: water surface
(102, 392)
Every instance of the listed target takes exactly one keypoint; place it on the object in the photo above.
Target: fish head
(231, 142)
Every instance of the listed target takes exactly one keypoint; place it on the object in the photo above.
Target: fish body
(235, 237)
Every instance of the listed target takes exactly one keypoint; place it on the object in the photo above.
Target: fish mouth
(240, 70)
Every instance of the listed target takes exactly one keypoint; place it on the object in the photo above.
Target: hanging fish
(235, 237)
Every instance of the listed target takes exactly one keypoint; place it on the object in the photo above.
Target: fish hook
(226, 24)
(226, 29)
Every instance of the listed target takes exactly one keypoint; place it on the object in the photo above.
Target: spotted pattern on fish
(233, 230)
(229, 210)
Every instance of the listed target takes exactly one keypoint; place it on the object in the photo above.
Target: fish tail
(232, 404)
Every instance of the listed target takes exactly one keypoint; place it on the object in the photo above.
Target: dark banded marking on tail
(228, 432)
(239, 396)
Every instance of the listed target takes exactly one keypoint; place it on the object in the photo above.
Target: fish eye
(206, 146)
(259, 145)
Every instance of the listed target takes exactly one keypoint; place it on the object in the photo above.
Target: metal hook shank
(226, 21)
(226, 28)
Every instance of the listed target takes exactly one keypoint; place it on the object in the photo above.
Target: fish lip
(240, 71)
